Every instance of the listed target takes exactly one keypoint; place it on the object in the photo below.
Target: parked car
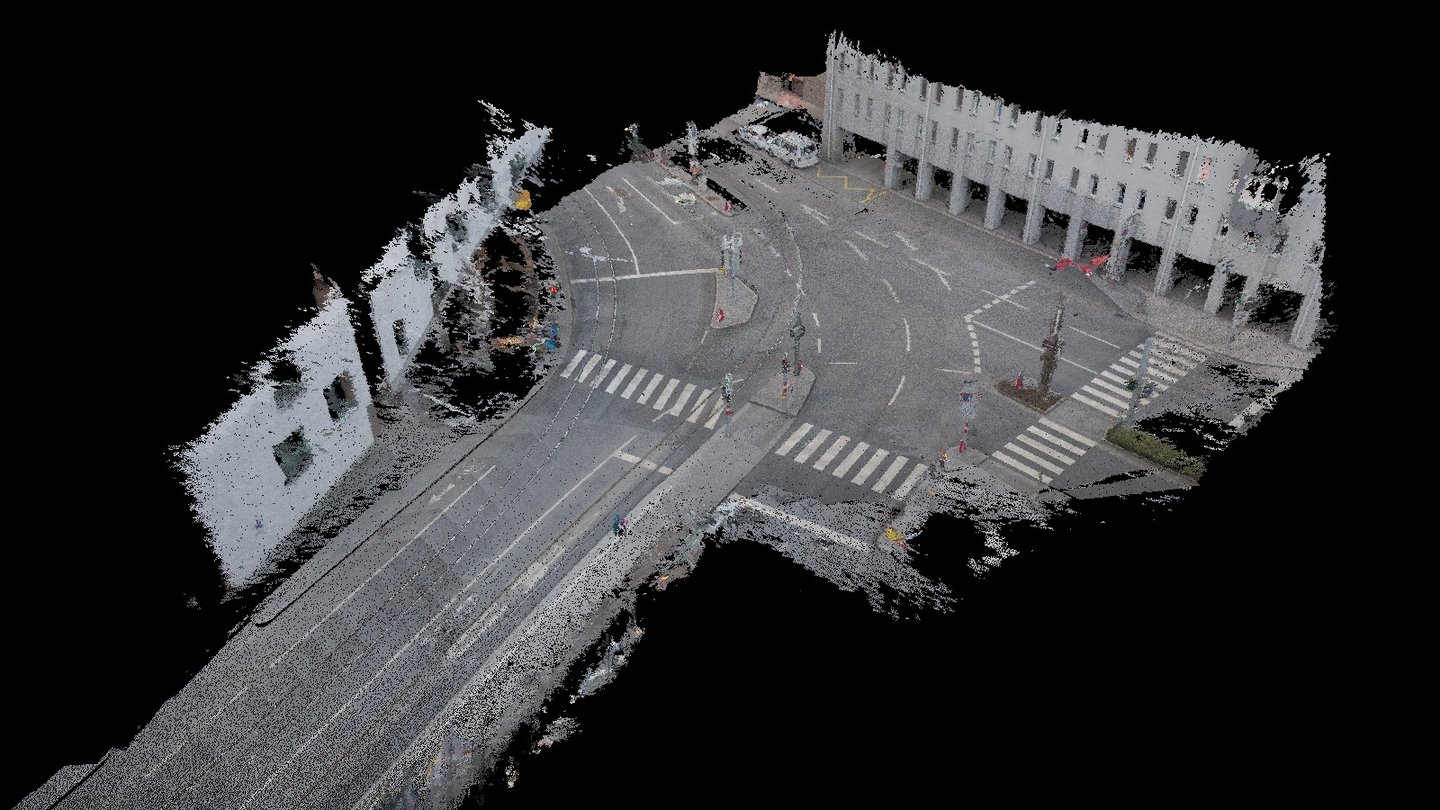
(757, 135)
(796, 149)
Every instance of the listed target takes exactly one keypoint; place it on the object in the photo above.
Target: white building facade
(1209, 201)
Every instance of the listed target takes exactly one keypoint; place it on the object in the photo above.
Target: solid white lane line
(617, 379)
(648, 200)
(808, 525)
(284, 766)
(1023, 453)
(904, 489)
(665, 394)
(893, 470)
(1059, 428)
(809, 449)
(382, 567)
(679, 407)
(819, 346)
(590, 366)
(631, 458)
(600, 377)
(834, 450)
(1087, 334)
(839, 472)
(870, 465)
(604, 211)
(816, 316)
(1131, 363)
(857, 250)
(1115, 377)
(1012, 337)
(907, 332)
(893, 296)
(649, 389)
(633, 276)
(940, 274)
(1097, 406)
(903, 238)
(1057, 441)
(574, 361)
(789, 444)
(897, 391)
(871, 239)
(1045, 448)
(950, 370)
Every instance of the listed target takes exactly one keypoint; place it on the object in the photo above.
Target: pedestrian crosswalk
(1041, 450)
(670, 396)
(1170, 360)
(829, 446)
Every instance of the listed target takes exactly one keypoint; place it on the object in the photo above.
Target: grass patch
(1157, 450)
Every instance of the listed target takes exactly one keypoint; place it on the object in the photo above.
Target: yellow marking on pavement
(845, 185)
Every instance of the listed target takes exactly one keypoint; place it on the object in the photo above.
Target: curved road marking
(635, 259)
(897, 391)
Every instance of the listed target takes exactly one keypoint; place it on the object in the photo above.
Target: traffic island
(734, 301)
(1028, 396)
(785, 392)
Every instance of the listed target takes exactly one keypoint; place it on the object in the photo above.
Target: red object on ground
(961, 447)
(727, 206)
(719, 316)
(1018, 378)
(1099, 260)
(1064, 263)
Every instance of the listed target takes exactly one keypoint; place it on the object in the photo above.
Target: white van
(795, 149)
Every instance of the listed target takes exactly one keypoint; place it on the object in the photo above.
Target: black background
(175, 190)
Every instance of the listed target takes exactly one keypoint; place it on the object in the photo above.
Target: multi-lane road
(901, 305)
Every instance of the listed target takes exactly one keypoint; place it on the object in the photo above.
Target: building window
(1140, 201)
(869, 109)
(1100, 144)
(1224, 225)
(1120, 195)
(857, 104)
(293, 455)
(992, 151)
(974, 103)
(1205, 170)
(285, 376)
(1130, 145)
(1058, 126)
(1074, 178)
(340, 396)
(1279, 243)
(934, 131)
(887, 115)
(1094, 184)
(1039, 123)
(1084, 136)
(1170, 206)
(954, 139)
(999, 108)
(970, 143)
(1034, 164)
(1009, 153)
(1194, 214)
(1049, 169)
(1150, 153)
(1014, 116)
(919, 126)
(959, 97)
(1182, 164)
